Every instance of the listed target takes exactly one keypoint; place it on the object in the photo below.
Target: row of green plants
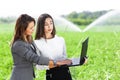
(103, 54)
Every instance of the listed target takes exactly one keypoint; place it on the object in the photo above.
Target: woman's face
(48, 27)
(30, 29)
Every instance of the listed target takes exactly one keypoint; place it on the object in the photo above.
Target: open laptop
(79, 61)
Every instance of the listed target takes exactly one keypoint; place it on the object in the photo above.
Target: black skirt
(58, 73)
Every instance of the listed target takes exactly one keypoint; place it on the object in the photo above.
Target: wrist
(55, 62)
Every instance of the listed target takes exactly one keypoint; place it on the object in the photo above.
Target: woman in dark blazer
(24, 51)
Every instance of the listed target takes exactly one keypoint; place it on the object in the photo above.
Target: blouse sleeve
(64, 49)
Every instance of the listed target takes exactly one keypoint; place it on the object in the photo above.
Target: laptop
(79, 61)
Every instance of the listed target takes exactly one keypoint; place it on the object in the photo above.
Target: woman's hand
(51, 64)
(64, 62)
(59, 63)
(85, 58)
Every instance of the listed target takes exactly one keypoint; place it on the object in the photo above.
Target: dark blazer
(23, 57)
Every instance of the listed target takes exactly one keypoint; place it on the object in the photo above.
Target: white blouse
(53, 48)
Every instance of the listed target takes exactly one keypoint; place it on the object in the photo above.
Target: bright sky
(55, 7)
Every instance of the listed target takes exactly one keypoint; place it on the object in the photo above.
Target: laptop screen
(84, 50)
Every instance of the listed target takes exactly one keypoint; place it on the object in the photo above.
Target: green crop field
(103, 54)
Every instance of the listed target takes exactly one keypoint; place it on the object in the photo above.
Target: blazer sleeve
(22, 49)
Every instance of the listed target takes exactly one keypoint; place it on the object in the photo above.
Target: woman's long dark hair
(40, 26)
(20, 28)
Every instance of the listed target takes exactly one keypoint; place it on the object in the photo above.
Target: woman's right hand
(64, 62)
(59, 63)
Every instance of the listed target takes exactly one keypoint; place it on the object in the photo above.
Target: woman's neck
(49, 36)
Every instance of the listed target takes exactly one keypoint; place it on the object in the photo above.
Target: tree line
(85, 17)
(7, 19)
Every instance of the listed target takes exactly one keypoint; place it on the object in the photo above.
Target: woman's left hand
(85, 58)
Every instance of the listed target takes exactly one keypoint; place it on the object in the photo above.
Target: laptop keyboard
(75, 61)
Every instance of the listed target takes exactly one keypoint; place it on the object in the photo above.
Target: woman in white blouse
(52, 46)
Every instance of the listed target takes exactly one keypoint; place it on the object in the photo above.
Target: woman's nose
(48, 26)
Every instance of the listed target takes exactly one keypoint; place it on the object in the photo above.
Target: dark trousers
(58, 73)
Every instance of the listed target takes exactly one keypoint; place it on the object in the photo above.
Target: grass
(103, 54)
